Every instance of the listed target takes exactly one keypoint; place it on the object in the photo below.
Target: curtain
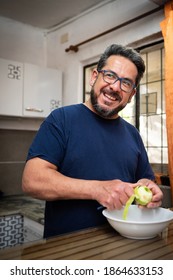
(167, 31)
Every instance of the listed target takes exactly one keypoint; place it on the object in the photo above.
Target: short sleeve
(49, 142)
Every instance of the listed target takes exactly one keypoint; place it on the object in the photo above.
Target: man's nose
(116, 86)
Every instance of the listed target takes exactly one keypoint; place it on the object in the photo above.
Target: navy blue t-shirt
(83, 145)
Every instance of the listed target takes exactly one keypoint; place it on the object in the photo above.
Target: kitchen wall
(96, 22)
(14, 146)
(22, 43)
(27, 44)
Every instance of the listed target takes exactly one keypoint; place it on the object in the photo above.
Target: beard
(100, 110)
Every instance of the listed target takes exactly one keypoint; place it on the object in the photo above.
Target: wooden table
(100, 243)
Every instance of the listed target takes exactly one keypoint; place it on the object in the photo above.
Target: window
(148, 103)
(152, 116)
(86, 83)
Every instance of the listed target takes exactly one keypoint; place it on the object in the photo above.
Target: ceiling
(45, 14)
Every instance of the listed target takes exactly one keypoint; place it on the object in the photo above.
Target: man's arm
(42, 180)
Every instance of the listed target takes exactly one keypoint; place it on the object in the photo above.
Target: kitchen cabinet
(42, 90)
(28, 90)
(11, 87)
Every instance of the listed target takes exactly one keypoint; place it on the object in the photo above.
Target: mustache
(112, 93)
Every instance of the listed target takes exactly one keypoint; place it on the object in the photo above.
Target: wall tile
(11, 178)
(14, 145)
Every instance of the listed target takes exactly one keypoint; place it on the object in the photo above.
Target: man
(85, 155)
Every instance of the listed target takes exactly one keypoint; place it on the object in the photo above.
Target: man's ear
(93, 77)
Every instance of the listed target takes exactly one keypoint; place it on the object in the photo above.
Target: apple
(142, 196)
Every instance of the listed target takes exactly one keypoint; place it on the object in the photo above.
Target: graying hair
(127, 52)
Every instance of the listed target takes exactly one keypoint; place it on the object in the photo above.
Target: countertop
(100, 243)
(27, 206)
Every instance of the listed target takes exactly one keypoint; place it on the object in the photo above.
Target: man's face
(108, 99)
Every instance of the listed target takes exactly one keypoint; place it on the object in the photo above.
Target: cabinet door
(42, 90)
(11, 87)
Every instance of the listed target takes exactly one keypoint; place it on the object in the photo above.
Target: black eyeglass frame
(117, 79)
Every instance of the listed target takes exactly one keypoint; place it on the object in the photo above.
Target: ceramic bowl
(141, 223)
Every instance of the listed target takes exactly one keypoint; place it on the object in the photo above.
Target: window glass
(143, 80)
(163, 97)
(154, 66)
(152, 107)
(87, 76)
(154, 131)
(128, 113)
(143, 129)
(164, 132)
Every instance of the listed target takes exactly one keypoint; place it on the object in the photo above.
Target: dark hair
(127, 52)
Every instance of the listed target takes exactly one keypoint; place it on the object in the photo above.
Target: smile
(114, 97)
(110, 97)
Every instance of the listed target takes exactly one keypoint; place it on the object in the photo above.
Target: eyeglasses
(111, 77)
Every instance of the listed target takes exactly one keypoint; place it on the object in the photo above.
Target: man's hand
(114, 194)
(156, 191)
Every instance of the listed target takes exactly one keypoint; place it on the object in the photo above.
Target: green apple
(142, 196)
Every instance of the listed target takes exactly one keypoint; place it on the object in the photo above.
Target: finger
(136, 185)
(157, 194)
(112, 202)
(123, 198)
(154, 204)
(129, 190)
(117, 204)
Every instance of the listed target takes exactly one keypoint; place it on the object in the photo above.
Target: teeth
(110, 97)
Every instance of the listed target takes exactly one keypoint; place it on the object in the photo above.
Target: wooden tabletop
(99, 243)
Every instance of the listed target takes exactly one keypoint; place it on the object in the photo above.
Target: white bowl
(140, 223)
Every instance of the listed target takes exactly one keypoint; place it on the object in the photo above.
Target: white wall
(21, 42)
(27, 44)
(96, 22)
